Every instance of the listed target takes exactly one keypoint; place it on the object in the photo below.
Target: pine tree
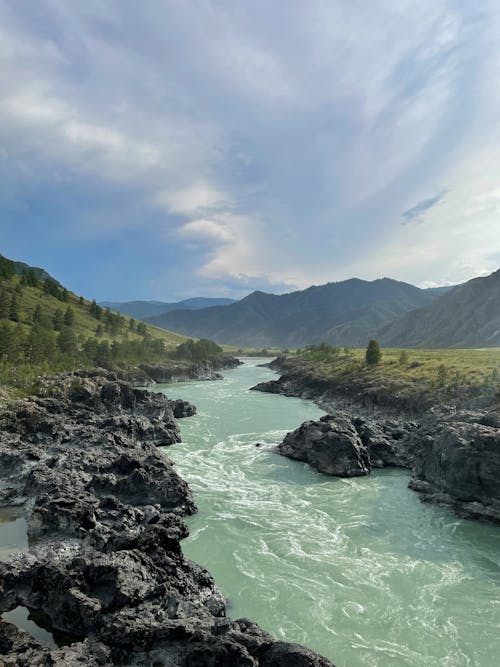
(4, 304)
(14, 311)
(373, 353)
(40, 345)
(69, 317)
(58, 320)
(131, 324)
(66, 341)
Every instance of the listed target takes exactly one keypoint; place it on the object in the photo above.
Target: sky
(166, 149)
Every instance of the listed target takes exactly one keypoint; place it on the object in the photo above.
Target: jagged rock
(179, 371)
(330, 445)
(183, 408)
(458, 464)
(106, 508)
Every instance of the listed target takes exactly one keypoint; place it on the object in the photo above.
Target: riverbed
(357, 569)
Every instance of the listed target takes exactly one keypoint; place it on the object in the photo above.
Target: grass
(85, 324)
(412, 379)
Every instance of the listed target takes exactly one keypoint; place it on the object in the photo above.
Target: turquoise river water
(357, 569)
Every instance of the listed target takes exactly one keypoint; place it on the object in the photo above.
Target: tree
(69, 317)
(58, 320)
(373, 353)
(14, 311)
(40, 345)
(131, 324)
(95, 310)
(99, 332)
(141, 329)
(28, 278)
(7, 268)
(4, 304)
(66, 341)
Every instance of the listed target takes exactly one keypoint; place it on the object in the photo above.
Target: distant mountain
(438, 291)
(466, 316)
(144, 309)
(343, 313)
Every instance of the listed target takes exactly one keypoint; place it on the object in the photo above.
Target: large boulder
(330, 445)
(458, 464)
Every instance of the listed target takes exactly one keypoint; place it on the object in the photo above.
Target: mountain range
(144, 309)
(341, 313)
(466, 316)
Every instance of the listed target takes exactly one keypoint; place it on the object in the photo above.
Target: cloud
(416, 212)
(246, 146)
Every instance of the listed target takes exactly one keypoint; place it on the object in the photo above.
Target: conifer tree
(4, 304)
(69, 317)
(58, 320)
(373, 353)
(66, 341)
(14, 311)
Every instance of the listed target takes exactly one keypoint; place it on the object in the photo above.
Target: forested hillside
(45, 327)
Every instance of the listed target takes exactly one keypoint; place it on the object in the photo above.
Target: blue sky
(165, 149)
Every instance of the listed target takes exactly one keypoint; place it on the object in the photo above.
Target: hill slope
(343, 313)
(466, 316)
(144, 309)
(45, 327)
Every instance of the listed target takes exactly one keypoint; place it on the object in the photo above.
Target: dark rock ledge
(104, 511)
(454, 455)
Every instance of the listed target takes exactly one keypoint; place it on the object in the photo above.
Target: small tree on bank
(373, 353)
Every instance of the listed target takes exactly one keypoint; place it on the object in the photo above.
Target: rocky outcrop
(454, 456)
(180, 371)
(330, 445)
(104, 510)
(458, 463)
(343, 447)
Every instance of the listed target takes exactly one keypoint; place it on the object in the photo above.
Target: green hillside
(45, 327)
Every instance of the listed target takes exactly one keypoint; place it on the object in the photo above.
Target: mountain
(438, 291)
(466, 316)
(342, 313)
(144, 309)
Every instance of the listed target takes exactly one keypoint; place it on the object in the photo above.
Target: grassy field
(409, 378)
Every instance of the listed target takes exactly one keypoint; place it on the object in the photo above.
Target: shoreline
(104, 510)
(454, 454)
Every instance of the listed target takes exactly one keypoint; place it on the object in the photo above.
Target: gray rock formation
(330, 445)
(458, 463)
(104, 510)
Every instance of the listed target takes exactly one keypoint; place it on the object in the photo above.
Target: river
(357, 569)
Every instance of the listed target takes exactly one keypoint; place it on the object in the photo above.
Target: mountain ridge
(466, 316)
(142, 309)
(341, 313)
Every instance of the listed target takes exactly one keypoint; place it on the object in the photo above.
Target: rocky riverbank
(454, 454)
(181, 371)
(104, 511)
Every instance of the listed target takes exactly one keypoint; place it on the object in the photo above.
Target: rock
(104, 510)
(178, 370)
(183, 408)
(330, 445)
(458, 464)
